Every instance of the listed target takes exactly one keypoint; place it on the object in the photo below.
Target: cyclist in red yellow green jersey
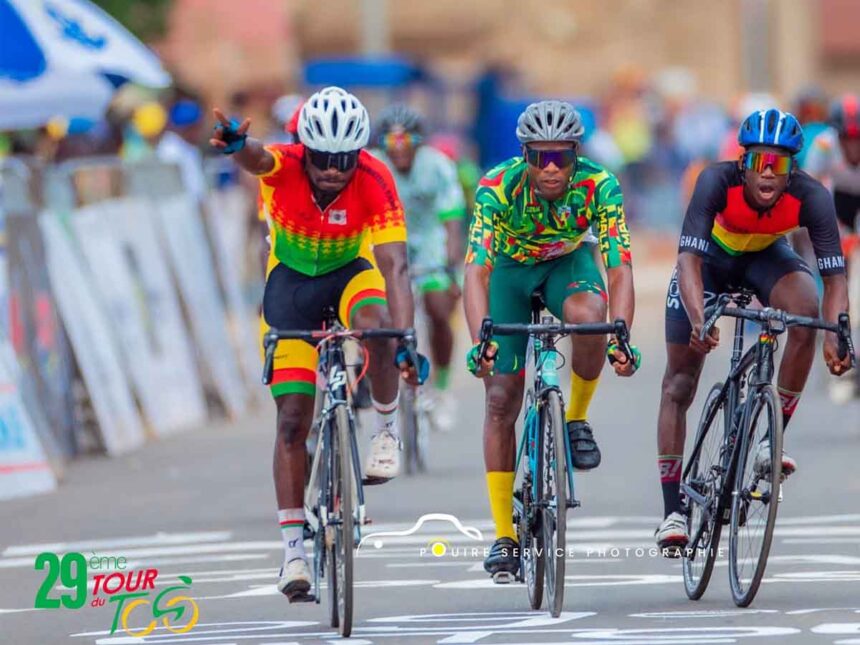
(327, 202)
(533, 215)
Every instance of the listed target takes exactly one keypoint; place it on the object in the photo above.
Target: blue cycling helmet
(771, 128)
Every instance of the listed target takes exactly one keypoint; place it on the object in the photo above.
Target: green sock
(443, 375)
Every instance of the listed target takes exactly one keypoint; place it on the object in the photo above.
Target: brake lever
(270, 342)
(846, 344)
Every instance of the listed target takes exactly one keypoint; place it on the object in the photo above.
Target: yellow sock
(500, 487)
(581, 392)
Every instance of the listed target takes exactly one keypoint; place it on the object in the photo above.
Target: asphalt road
(202, 505)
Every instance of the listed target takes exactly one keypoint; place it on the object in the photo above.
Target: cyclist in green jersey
(532, 216)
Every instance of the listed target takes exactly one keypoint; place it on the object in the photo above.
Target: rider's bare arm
(476, 297)
(621, 295)
(691, 287)
(391, 259)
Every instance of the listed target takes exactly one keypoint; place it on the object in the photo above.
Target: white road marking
(117, 543)
(572, 581)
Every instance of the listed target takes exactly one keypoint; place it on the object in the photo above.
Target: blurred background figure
(181, 144)
(435, 207)
(285, 118)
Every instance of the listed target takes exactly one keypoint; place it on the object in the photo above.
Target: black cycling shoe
(503, 560)
(585, 453)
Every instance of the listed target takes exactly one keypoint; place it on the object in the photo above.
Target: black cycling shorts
(758, 271)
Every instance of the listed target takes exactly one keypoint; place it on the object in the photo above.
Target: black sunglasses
(341, 161)
(542, 158)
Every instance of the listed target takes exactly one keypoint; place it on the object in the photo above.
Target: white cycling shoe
(444, 411)
(383, 462)
(671, 535)
(295, 579)
(762, 461)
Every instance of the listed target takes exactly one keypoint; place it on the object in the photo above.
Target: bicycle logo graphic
(174, 608)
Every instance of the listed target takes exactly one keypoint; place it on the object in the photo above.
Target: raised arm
(252, 156)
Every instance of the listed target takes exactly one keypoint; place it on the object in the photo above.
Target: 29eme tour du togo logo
(129, 590)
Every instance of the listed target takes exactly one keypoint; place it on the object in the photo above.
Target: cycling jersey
(720, 224)
(316, 241)
(432, 195)
(510, 220)
(826, 162)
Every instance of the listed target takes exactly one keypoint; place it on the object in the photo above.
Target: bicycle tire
(554, 520)
(424, 422)
(409, 429)
(529, 532)
(344, 534)
(703, 477)
(744, 497)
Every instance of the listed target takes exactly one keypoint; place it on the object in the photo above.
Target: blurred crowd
(656, 132)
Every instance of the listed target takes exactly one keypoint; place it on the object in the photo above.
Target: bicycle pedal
(573, 503)
(504, 577)
(302, 597)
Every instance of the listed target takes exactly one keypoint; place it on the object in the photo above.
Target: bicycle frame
(542, 353)
(739, 380)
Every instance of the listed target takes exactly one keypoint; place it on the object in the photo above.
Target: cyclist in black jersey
(734, 235)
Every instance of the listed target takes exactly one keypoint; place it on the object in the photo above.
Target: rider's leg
(782, 280)
(575, 293)
(504, 394)
(589, 352)
(680, 381)
(363, 306)
(795, 293)
(439, 305)
(295, 415)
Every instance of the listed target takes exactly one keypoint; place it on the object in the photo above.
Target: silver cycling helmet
(549, 121)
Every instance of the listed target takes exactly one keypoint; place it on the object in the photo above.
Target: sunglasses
(542, 158)
(399, 140)
(758, 161)
(341, 161)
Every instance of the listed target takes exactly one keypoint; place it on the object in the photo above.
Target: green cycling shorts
(511, 286)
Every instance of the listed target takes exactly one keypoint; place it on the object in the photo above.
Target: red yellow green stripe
(293, 380)
(363, 298)
(291, 524)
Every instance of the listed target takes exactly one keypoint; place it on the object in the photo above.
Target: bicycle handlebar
(618, 328)
(271, 338)
(842, 328)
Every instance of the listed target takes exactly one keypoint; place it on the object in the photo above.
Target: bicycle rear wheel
(705, 479)
(341, 522)
(554, 510)
(755, 496)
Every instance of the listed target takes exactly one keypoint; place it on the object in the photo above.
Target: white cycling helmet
(333, 120)
(549, 121)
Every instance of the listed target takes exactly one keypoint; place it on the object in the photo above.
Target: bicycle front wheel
(755, 499)
(554, 520)
(341, 524)
(409, 427)
(704, 482)
(529, 532)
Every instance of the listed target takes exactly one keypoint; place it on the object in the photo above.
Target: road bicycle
(724, 483)
(334, 496)
(546, 483)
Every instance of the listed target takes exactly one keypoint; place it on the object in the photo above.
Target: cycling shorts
(293, 300)
(511, 286)
(758, 271)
